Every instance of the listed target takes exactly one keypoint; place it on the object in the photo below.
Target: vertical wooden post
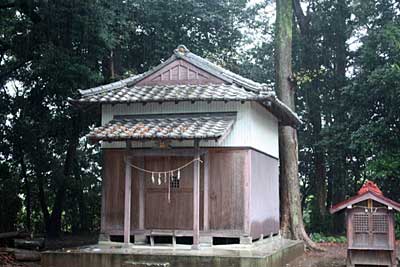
(127, 206)
(103, 223)
(196, 196)
(206, 165)
(141, 195)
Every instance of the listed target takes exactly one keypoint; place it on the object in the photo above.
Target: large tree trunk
(314, 106)
(291, 213)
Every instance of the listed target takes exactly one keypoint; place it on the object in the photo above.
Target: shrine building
(190, 154)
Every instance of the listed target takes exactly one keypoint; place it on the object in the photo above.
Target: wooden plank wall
(227, 177)
(113, 177)
(264, 200)
(229, 172)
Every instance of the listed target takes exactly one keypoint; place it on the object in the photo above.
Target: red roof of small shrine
(368, 191)
(370, 186)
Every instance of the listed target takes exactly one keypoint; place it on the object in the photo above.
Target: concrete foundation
(271, 252)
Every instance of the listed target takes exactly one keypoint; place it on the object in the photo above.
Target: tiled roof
(236, 88)
(368, 191)
(183, 53)
(165, 126)
(163, 93)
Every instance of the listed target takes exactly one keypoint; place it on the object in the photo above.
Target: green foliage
(321, 238)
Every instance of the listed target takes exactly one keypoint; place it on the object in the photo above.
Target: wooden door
(177, 212)
(370, 230)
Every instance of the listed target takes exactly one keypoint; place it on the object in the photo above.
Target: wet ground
(333, 256)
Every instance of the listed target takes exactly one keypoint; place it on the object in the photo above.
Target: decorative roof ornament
(370, 186)
(181, 50)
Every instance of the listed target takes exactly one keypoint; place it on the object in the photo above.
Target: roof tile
(190, 92)
(172, 126)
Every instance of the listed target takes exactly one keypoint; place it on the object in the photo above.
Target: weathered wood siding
(255, 127)
(180, 72)
(243, 193)
(264, 194)
(226, 197)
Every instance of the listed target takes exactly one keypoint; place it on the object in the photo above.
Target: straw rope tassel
(169, 188)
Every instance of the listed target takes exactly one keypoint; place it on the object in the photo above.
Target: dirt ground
(333, 256)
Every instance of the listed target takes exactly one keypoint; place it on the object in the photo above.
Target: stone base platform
(270, 252)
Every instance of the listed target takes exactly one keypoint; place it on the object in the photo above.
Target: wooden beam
(175, 152)
(127, 206)
(103, 222)
(206, 165)
(141, 194)
(196, 198)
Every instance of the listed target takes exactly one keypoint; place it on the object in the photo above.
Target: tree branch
(302, 19)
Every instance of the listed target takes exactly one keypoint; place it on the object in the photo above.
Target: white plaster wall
(254, 127)
(265, 136)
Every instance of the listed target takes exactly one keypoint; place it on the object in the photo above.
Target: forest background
(346, 63)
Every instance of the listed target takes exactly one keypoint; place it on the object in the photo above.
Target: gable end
(180, 72)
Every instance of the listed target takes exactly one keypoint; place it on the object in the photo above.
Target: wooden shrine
(370, 227)
(190, 153)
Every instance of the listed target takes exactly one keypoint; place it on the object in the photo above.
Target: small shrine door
(371, 228)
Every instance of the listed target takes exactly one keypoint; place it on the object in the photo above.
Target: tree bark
(291, 213)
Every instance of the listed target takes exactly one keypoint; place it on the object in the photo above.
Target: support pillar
(127, 205)
(206, 165)
(141, 195)
(103, 236)
(140, 238)
(196, 197)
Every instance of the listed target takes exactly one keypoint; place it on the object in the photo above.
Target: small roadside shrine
(370, 227)
(190, 154)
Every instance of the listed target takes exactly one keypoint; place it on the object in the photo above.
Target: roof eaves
(110, 86)
(367, 195)
(282, 111)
